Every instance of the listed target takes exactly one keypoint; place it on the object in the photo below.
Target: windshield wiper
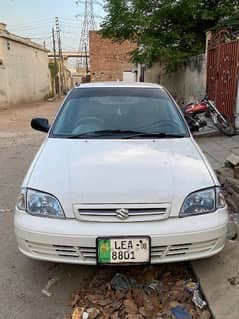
(102, 133)
(125, 134)
(156, 135)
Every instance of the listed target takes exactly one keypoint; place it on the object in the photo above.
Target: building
(110, 61)
(24, 72)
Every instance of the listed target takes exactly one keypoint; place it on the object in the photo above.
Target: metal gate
(223, 72)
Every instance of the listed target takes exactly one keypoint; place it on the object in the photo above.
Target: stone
(232, 207)
(223, 173)
(93, 313)
(236, 172)
(234, 183)
(233, 159)
(120, 281)
(235, 198)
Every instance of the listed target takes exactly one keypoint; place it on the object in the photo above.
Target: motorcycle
(192, 112)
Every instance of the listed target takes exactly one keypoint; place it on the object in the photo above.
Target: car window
(124, 109)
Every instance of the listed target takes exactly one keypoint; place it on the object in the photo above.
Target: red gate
(223, 72)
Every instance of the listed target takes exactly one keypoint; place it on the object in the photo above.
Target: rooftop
(13, 37)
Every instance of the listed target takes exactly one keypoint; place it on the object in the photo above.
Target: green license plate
(123, 250)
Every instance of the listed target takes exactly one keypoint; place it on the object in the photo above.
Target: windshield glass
(114, 112)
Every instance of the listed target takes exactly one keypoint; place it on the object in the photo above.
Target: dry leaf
(130, 306)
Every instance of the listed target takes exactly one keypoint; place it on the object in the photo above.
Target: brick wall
(108, 60)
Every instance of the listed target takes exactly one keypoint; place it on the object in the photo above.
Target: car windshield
(115, 112)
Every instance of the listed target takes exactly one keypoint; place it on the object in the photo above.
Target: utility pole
(54, 45)
(87, 75)
(86, 61)
(56, 79)
(61, 59)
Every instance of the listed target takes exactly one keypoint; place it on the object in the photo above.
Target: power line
(33, 29)
(36, 22)
(72, 28)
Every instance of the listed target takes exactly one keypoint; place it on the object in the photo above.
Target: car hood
(119, 171)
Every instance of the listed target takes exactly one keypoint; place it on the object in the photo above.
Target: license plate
(123, 250)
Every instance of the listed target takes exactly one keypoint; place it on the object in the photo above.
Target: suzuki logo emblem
(122, 213)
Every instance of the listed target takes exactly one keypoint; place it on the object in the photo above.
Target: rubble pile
(153, 292)
(228, 176)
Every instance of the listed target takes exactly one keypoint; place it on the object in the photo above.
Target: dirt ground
(22, 279)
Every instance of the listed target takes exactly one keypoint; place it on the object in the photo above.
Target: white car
(119, 179)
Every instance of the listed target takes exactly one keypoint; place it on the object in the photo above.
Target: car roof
(120, 84)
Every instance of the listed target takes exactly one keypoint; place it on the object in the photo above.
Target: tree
(168, 30)
(53, 71)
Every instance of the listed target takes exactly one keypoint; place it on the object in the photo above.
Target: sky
(35, 19)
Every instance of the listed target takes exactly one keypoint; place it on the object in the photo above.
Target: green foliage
(231, 23)
(53, 69)
(166, 30)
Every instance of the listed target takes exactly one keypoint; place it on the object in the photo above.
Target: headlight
(39, 204)
(203, 202)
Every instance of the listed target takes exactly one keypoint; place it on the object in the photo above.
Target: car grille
(71, 252)
(116, 213)
(88, 254)
(190, 249)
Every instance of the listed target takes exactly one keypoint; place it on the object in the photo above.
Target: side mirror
(40, 124)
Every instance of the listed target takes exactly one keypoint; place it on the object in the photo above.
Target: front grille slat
(54, 252)
(204, 245)
(85, 249)
(88, 253)
(107, 213)
(97, 213)
(45, 252)
(158, 254)
(145, 213)
(179, 248)
(158, 249)
(197, 250)
(175, 252)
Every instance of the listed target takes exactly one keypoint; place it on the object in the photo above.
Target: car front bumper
(72, 241)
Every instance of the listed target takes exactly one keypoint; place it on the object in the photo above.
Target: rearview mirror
(40, 124)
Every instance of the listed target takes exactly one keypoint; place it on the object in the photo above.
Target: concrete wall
(3, 86)
(108, 60)
(24, 73)
(188, 83)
